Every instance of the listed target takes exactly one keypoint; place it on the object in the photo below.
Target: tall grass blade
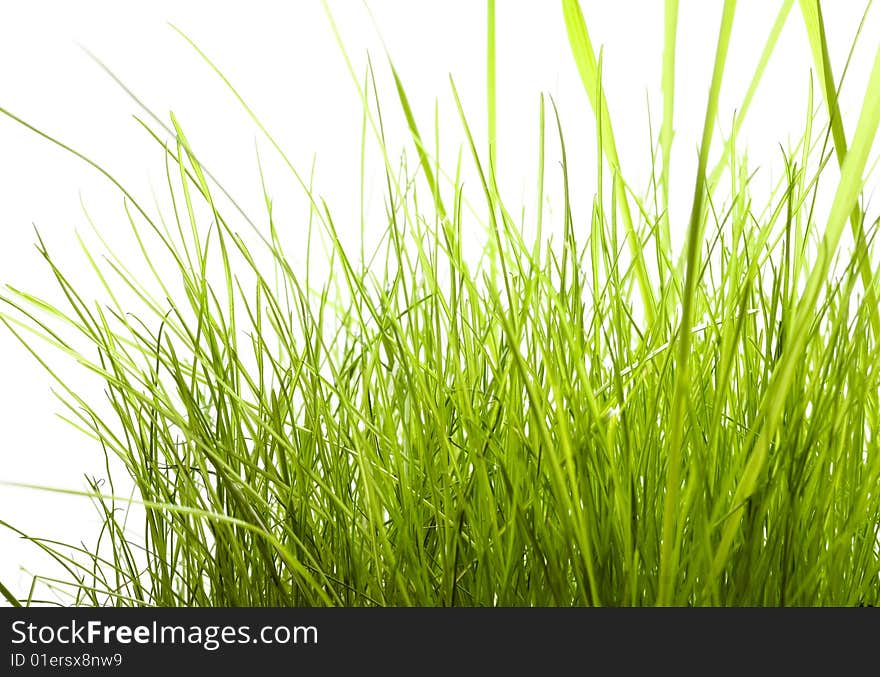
(588, 67)
(811, 10)
(667, 84)
(682, 383)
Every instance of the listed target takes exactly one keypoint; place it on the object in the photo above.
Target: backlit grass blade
(588, 67)
(667, 84)
(811, 10)
(682, 383)
(743, 109)
(491, 85)
(417, 140)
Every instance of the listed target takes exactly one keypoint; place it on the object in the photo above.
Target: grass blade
(681, 389)
(588, 67)
(811, 10)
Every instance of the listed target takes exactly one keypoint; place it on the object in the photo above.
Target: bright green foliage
(424, 429)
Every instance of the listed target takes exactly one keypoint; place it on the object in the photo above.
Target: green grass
(590, 420)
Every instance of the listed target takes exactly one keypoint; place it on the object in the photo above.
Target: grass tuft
(540, 422)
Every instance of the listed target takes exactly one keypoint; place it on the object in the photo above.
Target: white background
(286, 63)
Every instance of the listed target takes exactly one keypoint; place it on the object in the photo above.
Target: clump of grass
(593, 421)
